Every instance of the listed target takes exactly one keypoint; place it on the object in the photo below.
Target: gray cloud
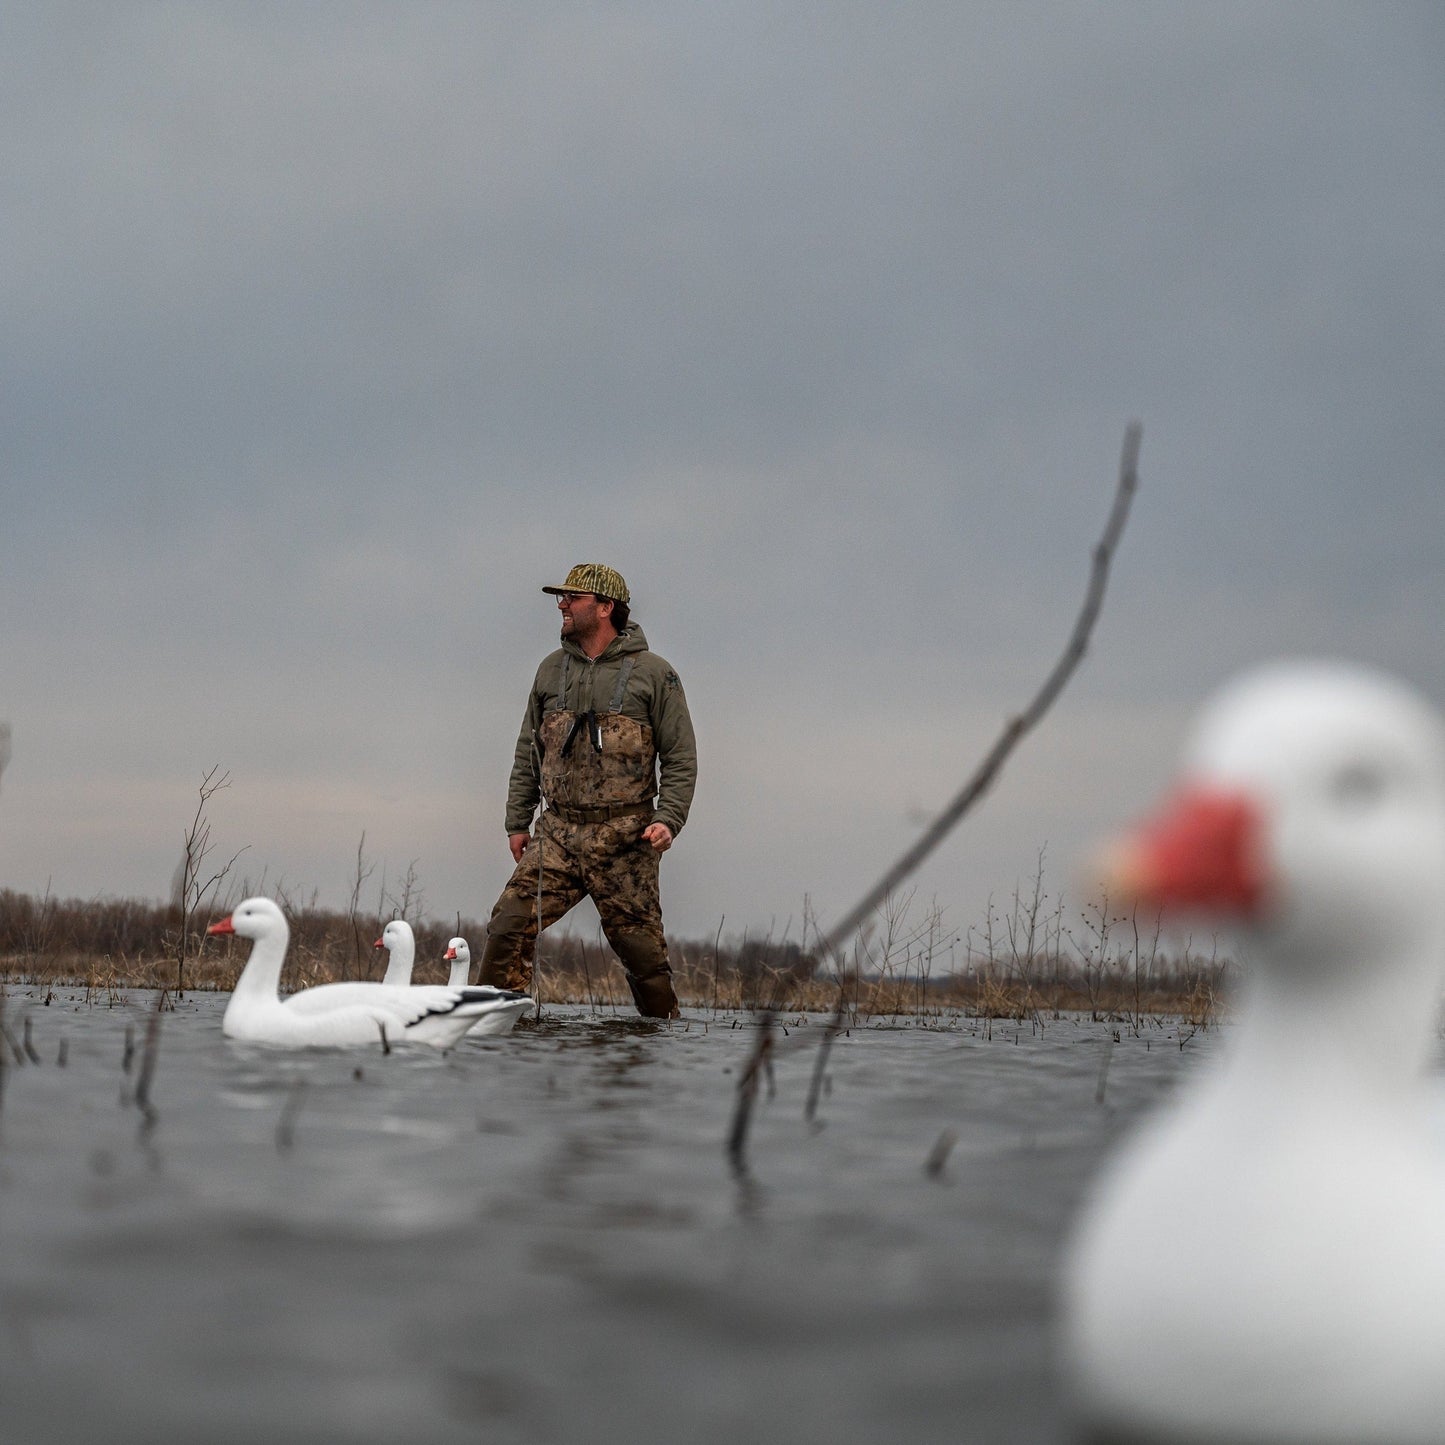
(333, 334)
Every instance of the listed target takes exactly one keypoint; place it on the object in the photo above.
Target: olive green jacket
(653, 695)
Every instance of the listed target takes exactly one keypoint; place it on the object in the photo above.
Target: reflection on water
(538, 1238)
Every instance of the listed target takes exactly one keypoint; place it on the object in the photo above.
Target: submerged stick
(15, 1049)
(1103, 1081)
(938, 1155)
(286, 1124)
(758, 1063)
(988, 770)
(830, 1032)
(149, 1051)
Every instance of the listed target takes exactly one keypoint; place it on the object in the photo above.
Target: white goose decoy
(459, 955)
(500, 1020)
(1265, 1261)
(400, 944)
(343, 1014)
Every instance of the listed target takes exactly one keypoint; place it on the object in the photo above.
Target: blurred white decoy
(459, 955)
(400, 944)
(343, 1014)
(1265, 1260)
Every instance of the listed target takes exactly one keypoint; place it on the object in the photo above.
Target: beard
(572, 630)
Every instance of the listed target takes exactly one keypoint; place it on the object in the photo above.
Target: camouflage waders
(608, 859)
(596, 770)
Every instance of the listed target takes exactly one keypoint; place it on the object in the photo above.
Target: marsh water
(542, 1238)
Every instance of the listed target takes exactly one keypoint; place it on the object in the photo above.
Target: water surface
(540, 1238)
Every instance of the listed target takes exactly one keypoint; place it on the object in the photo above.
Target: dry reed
(1027, 965)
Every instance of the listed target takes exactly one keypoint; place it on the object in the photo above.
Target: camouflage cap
(594, 577)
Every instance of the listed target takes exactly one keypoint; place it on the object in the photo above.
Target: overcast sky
(334, 331)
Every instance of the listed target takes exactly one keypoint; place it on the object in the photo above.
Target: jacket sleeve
(676, 753)
(524, 787)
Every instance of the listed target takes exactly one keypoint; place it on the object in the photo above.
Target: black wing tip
(485, 993)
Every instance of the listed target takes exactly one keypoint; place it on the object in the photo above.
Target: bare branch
(364, 870)
(196, 845)
(1017, 727)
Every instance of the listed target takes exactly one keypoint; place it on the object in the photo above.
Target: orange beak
(223, 925)
(378, 944)
(1201, 851)
(450, 953)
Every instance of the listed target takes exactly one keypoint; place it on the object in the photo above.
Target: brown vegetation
(1028, 963)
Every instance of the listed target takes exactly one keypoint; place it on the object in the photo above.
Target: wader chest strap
(617, 693)
(562, 682)
(587, 721)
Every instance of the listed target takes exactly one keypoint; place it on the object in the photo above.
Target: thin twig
(537, 945)
(587, 974)
(715, 944)
(1019, 726)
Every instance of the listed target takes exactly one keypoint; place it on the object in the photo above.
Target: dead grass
(1023, 966)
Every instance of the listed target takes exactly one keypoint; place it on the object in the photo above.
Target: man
(606, 732)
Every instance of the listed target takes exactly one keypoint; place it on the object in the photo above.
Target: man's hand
(517, 842)
(659, 835)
